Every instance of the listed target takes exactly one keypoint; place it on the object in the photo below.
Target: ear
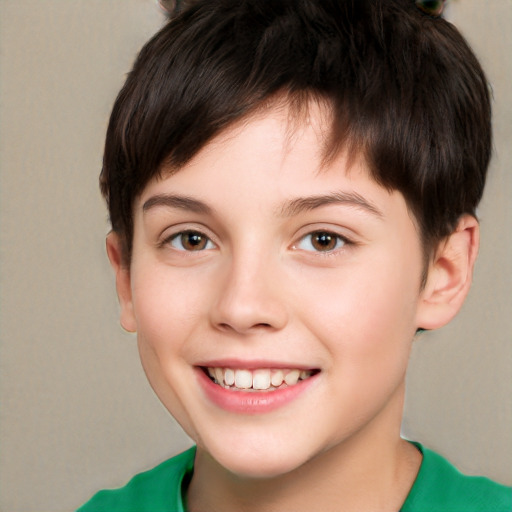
(123, 282)
(449, 276)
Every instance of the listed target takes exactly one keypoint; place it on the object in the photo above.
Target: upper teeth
(260, 379)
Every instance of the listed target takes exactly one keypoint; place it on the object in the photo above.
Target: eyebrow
(177, 201)
(302, 204)
(289, 209)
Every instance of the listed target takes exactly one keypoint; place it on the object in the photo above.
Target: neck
(373, 470)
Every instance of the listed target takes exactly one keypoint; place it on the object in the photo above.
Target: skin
(262, 289)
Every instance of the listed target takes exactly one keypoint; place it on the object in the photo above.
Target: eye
(433, 8)
(321, 241)
(190, 241)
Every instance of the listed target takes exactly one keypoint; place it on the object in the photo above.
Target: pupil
(324, 241)
(432, 7)
(193, 241)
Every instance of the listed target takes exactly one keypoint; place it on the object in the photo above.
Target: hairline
(298, 104)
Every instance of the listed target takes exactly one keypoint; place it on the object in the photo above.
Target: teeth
(291, 378)
(218, 374)
(261, 379)
(277, 378)
(243, 379)
(229, 377)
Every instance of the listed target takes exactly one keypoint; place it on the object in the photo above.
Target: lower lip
(251, 402)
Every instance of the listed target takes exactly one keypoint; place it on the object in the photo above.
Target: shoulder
(156, 490)
(439, 486)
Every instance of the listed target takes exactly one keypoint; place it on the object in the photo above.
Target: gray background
(76, 411)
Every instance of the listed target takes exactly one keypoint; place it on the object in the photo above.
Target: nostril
(227, 327)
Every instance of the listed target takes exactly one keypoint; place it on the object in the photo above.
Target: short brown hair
(405, 90)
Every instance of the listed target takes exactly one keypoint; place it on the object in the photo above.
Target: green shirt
(439, 487)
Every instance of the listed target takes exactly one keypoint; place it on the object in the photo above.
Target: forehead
(283, 128)
(273, 159)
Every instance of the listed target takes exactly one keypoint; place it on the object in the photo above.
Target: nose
(250, 297)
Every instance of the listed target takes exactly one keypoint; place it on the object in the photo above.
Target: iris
(431, 7)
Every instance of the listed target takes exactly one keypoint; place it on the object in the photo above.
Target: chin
(259, 468)
(253, 461)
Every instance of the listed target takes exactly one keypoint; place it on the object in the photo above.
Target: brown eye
(431, 7)
(191, 241)
(321, 241)
(324, 241)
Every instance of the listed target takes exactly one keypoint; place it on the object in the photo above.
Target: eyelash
(339, 239)
(201, 238)
(190, 232)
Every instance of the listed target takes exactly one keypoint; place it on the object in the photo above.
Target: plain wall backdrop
(77, 413)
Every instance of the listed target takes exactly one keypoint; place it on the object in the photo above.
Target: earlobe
(450, 275)
(123, 282)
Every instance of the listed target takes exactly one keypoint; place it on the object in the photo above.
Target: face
(275, 298)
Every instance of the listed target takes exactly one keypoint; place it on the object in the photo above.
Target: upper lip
(254, 364)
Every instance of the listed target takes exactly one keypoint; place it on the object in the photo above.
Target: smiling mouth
(264, 379)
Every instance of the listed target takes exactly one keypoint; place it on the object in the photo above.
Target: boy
(292, 187)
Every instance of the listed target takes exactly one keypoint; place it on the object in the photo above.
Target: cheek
(167, 313)
(167, 306)
(168, 378)
(365, 312)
